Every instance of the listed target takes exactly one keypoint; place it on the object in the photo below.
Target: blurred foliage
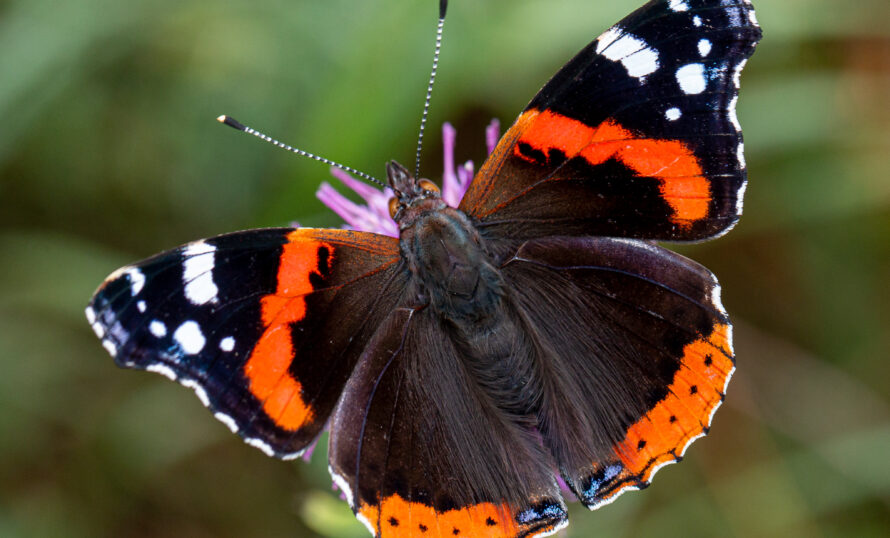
(109, 153)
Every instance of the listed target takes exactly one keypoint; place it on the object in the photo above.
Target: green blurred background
(109, 153)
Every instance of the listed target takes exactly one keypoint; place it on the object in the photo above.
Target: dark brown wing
(420, 450)
(639, 353)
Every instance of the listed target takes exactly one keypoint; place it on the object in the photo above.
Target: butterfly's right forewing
(637, 136)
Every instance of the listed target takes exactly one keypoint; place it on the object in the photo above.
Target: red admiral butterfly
(534, 331)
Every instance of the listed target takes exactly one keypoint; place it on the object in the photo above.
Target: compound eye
(393, 207)
(428, 185)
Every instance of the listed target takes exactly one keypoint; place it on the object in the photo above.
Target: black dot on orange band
(456, 531)
(708, 359)
(394, 522)
(673, 419)
(490, 522)
(422, 527)
(693, 389)
(641, 445)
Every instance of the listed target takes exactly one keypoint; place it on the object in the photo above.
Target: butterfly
(535, 333)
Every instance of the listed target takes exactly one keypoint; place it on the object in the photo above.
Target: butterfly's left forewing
(265, 325)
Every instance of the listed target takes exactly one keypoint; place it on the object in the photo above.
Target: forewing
(639, 350)
(420, 450)
(265, 325)
(637, 136)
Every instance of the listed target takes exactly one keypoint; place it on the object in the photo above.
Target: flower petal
(358, 217)
(378, 201)
(492, 135)
(451, 188)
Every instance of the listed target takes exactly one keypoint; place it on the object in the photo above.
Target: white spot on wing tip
(227, 344)
(691, 78)
(91, 314)
(227, 420)
(137, 280)
(634, 54)
(678, 5)
(109, 347)
(673, 114)
(704, 47)
(157, 328)
(737, 73)
(696, 21)
(99, 329)
(740, 198)
(732, 114)
(199, 391)
(141, 306)
(162, 369)
(189, 337)
(197, 273)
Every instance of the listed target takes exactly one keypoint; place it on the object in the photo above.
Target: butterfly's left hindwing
(637, 136)
(420, 451)
(265, 325)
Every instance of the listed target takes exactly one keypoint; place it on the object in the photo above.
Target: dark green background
(109, 153)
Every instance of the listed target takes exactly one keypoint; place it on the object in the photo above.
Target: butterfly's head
(412, 196)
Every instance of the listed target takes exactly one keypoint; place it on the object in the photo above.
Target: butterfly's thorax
(451, 268)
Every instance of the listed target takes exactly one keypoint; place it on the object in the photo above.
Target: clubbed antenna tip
(231, 122)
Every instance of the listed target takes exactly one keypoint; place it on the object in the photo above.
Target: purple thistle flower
(374, 215)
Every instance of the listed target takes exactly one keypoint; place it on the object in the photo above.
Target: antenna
(443, 7)
(232, 122)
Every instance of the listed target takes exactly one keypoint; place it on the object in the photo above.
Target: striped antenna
(443, 7)
(232, 122)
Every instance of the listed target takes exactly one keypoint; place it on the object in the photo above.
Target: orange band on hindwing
(267, 368)
(664, 433)
(399, 518)
(683, 184)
